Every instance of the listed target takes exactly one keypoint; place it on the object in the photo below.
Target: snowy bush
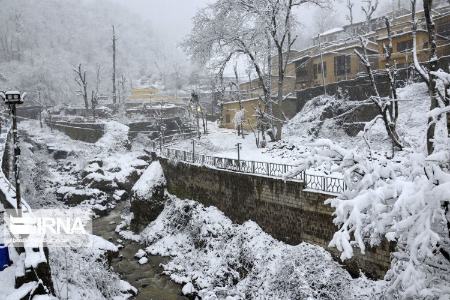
(401, 201)
(221, 259)
(83, 273)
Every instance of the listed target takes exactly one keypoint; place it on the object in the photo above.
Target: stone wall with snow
(283, 209)
(86, 132)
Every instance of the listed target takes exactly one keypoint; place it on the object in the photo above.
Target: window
(318, 70)
(342, 65)
(301, 71)
(404, 46)
(443, 28)
(227, 118)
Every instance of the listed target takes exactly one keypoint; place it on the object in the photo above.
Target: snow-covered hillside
(217, 259)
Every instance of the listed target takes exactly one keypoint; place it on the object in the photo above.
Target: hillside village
(252, 166)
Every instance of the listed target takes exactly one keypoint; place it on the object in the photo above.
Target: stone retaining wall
(86, 132)
(283, 209)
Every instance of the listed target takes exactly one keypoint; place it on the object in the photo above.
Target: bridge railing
(314, 182)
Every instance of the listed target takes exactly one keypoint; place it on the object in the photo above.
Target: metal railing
(327, 184)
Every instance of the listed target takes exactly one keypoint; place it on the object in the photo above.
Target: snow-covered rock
(143, 260)
(147, 196)
(141, 253)
(188, 289)
(149, 183)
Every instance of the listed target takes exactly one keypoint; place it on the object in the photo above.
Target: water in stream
(147, 278)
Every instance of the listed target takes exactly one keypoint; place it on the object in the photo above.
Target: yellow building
(249, 106)
(153, 96)
(402, 40)
(143, 93)
(339, 63)
(254, 88)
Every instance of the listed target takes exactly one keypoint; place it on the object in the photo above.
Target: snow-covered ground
(307, 126)
(76, 273)
(216, 259)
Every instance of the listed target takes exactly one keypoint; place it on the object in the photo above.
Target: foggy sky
(172, 19)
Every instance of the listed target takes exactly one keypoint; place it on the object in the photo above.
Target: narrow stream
(147, 278)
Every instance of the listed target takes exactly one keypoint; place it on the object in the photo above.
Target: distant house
(339, 63)
(402, 40)
(332, 59)
(153, 96)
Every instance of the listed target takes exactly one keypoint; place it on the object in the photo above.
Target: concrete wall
(283, 209)
(86, 132)
(173, 125)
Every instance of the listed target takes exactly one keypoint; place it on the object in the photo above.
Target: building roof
(331, 31)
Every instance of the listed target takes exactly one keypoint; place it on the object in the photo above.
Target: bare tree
(368, 10)
(94, 102)
(349, 16)
(387, 106)
(80, 79)
(98, 79)
(227, 28)
(432, 67)
(239, 115)
(430, 77)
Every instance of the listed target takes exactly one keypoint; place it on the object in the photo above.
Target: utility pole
(114, 39)
(322, 66)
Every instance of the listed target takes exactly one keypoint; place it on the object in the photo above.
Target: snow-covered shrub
(83, 273)
(402, 201)
(219, 259)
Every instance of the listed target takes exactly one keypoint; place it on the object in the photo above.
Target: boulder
(127, 181)
(92, 168)
(100, 182)
(148, 197)
(77, 195)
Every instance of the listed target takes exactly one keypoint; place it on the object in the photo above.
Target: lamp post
(238, 145)
(12, 98)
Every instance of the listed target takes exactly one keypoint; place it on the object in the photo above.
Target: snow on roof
(245, 100)
(331, 31)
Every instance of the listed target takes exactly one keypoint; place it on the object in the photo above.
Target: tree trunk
(433, 67)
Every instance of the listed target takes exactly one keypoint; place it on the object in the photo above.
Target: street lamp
(239, 147)
(12, 98)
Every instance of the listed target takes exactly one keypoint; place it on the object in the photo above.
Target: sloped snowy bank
(217, 259)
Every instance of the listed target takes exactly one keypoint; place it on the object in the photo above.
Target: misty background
(42, 41)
